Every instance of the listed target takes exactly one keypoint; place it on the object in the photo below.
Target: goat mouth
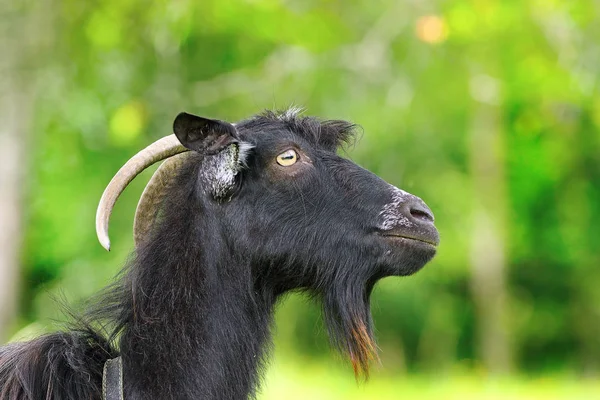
(412, 238)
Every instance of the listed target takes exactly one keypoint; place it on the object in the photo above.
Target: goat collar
(112, 380)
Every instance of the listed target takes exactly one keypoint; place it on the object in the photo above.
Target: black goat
(255, 210)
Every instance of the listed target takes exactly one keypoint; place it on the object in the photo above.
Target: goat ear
(206, 136)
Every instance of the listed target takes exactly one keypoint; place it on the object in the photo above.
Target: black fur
(192, 312)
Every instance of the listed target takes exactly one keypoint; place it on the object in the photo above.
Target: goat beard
(349, 323)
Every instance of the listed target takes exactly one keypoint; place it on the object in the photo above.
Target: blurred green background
(489, 110)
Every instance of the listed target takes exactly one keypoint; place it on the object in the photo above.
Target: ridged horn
(157, 151)
(153, 196)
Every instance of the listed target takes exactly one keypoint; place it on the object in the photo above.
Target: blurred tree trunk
(488, 258)
(18, 44)
(11, 184)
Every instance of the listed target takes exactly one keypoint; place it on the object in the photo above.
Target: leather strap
(112, 380)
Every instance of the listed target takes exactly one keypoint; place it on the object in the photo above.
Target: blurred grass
(299, 379)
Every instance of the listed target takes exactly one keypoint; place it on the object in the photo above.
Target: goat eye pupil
(287, 158)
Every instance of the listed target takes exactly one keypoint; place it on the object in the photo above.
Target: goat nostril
(421, 215)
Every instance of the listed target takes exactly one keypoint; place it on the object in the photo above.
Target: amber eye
(287, 158)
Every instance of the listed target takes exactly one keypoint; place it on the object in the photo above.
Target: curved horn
(157, 151)
(153, 196)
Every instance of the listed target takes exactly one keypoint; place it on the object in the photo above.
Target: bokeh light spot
(431, 29)
(103, 30)
(127, 123)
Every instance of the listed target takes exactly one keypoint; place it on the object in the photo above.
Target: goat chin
(407, 256)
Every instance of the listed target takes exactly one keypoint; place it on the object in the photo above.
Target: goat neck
(196, 326)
